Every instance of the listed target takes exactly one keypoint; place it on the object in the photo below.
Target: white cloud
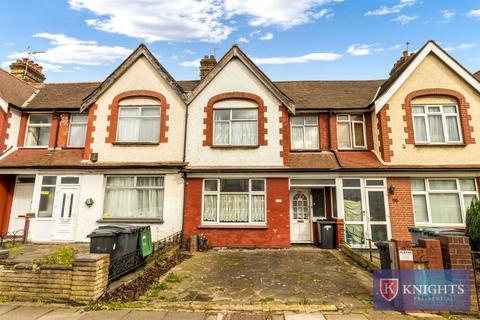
(267, 36)
(474, 13)
(243, 40)
(384, 10)
(395, 47)
(462, 46)
(188, 51)
(448, 14)
(404, 19)
(68, 50)
(359, 49)
(191, 63)
(314, 56)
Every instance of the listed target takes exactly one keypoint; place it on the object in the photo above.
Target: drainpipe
(184, 174)
(330, 140)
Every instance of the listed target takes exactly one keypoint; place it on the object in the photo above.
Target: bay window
(436, 124)
(77, 130)
(234, 201)
(134, 197)
(442, 201)
(304, 132)
(38, 130)
(138, 124)
(235, 127)
(351, 131)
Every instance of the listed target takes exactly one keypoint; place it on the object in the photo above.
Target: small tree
(472, 229)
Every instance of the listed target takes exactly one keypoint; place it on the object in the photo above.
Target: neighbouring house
(243, 160)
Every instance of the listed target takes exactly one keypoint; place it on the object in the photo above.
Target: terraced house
(241, 159)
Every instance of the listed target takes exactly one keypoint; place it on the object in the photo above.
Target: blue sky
(84, 40)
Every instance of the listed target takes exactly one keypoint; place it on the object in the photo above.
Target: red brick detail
(113, 116)
(276, 235)
(401, 208)
(92, 118)
(369, 130)
(323, 128)
(463, 107)
(384, 131)
(7, 185)
(404, 245)
(284, 133)
(208, 120)
(333, 132)
(340, 232)
(22, 130)
(3, 129)
(433, 252)
(53, 131)
(63, 128)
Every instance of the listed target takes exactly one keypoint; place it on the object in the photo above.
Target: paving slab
(238, 316)
(62, 314)
(105, 315)
(277, 317)
(215, 316)
(184, 316)
(145, 315)
(304, 316)
(26, 313)
(347, 316)
(6, 308)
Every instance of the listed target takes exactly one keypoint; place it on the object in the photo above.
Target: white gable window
(235, 127)
(138, 124)
(436, 124)
(38, 130)
(351, 131)
(304, 131)
(77, 130)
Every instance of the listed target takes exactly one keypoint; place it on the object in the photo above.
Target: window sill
(235, 147)
(151, 221)
(136, 143)
(304, 150)
(440, 144)
(354, 149)
(232, 226)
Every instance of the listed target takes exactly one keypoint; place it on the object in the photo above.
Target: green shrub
(472, 229)
(63, 256)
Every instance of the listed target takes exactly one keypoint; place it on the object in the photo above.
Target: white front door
(300, 216)
(65, 211)
(22, 202)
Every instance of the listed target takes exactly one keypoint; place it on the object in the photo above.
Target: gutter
(342, 169)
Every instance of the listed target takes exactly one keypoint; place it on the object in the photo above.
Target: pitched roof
(477, 74)
(14, 90)
(330, 94)
(141, 50)
(60, 95)
(236, 53)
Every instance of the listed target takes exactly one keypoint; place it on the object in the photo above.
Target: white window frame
(77, 123)
(139, 116)
(229, 144)
(250, 194)
(351, 128)
(427, 193)
(444, 123)
(303, 126)
(37, 125)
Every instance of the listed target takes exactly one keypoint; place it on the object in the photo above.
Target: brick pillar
(433, 252)
(404, 245)
(340, 232)
(89, 278)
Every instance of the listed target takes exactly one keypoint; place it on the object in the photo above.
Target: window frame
(38, 125)
(304, 126)
(139, 116)
(250, 193)
(229, 121)
(426, 193)
(76, 123)
(444, 123)
(351, 130)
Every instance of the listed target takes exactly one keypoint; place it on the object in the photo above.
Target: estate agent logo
(389, 288)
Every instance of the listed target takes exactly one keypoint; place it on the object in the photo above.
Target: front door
(65, 212)
(300, 225)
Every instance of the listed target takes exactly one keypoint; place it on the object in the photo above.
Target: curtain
(222, 133)
(358, 131)
(128, 129)
(353, 210)
(420, 208)
(258, 208)
(445, 208)
(38, 136)
(311, 137)
(442, 184)
(233, 208)
(77, 136)
(297, 138)
(343, 134)
(210, 208)
(244, 132)
(452, 129)
(467, 199)
(149, 129)
(354, 234)
(420, 129)
(436, 128)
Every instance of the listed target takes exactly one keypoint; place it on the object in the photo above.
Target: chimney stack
(400, 62)
(206, 65)
(27, 70)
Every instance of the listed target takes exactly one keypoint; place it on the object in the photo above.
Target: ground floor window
(234, 201)
(442, 201)
(134, 197)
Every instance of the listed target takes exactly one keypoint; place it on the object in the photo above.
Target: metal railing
(363, 246)
(168, 242)
(12, 238)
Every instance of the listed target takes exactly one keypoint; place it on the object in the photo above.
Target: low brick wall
(86, 281)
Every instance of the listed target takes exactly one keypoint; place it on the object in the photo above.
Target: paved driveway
(308, 276)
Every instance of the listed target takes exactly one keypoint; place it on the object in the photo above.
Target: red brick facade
(284, 133)
(63, 129)
(92, 117)
(369, 130)
(3, 129)
(275, 235)
(22, 130)
(333, 131)
(463, 107)
(384, 131)
(323, 131)
(208, 120)
(113, 116)
(401, 208)
(53, 130)
(7, 185)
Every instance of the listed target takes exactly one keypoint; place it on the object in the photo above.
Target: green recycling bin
(145, 243)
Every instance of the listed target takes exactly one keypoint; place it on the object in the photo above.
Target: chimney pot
(27, 70)
(206, 65)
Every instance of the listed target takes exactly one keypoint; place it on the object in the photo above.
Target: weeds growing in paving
(63, 256)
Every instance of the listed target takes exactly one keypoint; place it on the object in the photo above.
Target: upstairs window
(138, 124)
(436, 124)
(235, 127)
(38, 130)
(351, 131)
(304, 132)
(77, 130)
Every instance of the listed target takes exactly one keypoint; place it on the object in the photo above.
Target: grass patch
(267, 299)
(115, 305)
(172, 277)
(63, 256)
(14, 251)
(5, 299)
(155, 288)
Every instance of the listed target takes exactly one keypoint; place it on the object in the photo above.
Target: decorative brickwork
(284, 133)
(401, 208)
(433, 253)
(63, 128)
(113, 116)
(208, 120)
(333, 132)
(463, 107)
(22, 130)
(53, 131)
(92, 118)
(384, 130)
(3, 129)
